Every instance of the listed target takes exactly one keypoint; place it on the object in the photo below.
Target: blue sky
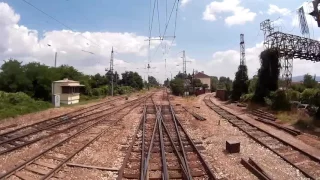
(211, 41)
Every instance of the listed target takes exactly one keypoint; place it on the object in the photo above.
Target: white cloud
(185, 2)
(231, 60)
(310, 20)
(21, 43)
(240, 15)
(278, 22)
(273, 9)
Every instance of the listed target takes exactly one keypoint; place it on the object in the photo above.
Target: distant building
(205, 79)
(68, 90)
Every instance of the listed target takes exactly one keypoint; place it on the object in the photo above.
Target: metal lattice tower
(267, 29)
(111, 71)
(303, 23)
(242, 55)
(184, 63)
(242, 51)
(271, 41)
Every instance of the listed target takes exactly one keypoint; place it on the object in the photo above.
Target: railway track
(55, 119)
(161, 148)
(50, 161)
(27, 135)
(307, 164)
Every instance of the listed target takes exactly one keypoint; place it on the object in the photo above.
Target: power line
(166, 27)
(63, 24)
(158, 18)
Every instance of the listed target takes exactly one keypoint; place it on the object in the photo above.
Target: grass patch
(305, 124)
(14, 104)
(287, 117)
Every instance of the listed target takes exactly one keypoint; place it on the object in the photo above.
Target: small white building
(68, 90)
(205, 79)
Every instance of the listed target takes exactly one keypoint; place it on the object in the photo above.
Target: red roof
(201, 75)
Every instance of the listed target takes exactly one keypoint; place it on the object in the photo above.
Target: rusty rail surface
(195, 115)
(22, 137)
(55, 119)
(161, 148)
(304, 162)
(255, 169)
(61, 152)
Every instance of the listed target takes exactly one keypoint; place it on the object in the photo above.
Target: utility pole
(184, 64)
(55, 59)
(148, 76)
(111, 71)
(242, 54)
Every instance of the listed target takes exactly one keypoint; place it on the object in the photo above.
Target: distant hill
(300, 78)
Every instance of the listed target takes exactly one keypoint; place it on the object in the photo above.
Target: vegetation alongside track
(13, 104)
(26, 88)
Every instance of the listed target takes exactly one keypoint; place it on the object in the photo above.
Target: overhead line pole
(111, 70)
(55, 59)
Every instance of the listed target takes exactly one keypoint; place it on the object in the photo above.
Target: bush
(177, 86)
(246, 97)
(280, 101)
(123, 90)
(293, 95)
(307, 95)
(298, 87)
(13, 104)
(96, 92)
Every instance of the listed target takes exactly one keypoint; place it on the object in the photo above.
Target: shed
(68, 90)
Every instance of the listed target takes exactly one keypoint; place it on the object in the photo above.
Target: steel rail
(25, 143)
(142, 165)
(57, 117)
(184, 170)
(50, 126)
(162, 149)
(126, 158)
(150, 147)
(37, 156)
(49, 135)
(181, 144)
(302, 170)
(51, 173)
(204, 163)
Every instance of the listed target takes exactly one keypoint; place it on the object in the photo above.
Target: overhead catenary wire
(55, 19)
(166, 27)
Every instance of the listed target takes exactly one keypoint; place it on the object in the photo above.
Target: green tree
(40, 77)
(177, 86)
(166, 82)
(214, 83)
(180, 75)
(224, 83)
(240, 85)
(12, 77)
(132, 79)
(268, 74)
(153, 81)
(309, 81)
(253, 84)
(197, 83)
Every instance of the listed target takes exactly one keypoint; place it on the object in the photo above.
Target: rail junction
(160, 145)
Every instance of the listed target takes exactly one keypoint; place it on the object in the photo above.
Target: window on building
(65, 90)
(75, 90)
